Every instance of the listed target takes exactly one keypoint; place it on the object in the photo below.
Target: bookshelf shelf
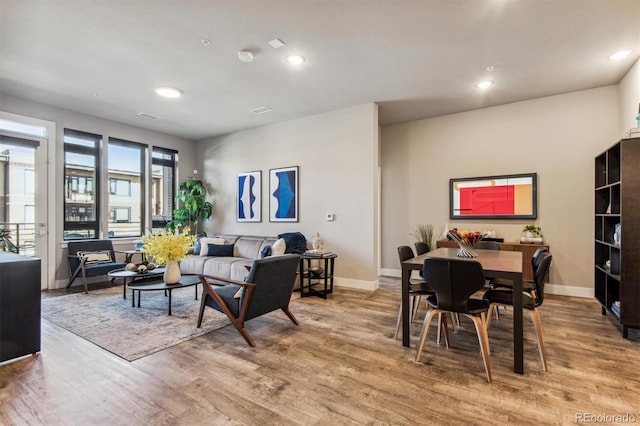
(617, 259)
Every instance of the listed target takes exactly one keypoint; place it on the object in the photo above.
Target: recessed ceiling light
(205, 42)
(484, 84)
(619, 55)
(169, 92)
(295, 59)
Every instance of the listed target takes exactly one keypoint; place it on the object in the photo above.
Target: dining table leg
(518, 357)
(406, 272)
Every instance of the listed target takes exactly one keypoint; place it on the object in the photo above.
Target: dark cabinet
(19, 306)
(617, 232)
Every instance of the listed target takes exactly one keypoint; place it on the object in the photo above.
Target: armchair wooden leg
(290, 315)
(202, 305)
(73, 276)
(86, 284)
(239, 325)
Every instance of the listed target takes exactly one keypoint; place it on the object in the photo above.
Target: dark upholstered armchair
(268, 287)
(92, 258)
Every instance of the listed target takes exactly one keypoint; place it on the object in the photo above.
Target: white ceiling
(415, 58)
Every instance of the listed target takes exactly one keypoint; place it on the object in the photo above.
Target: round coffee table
(126, 274)
(185, 281)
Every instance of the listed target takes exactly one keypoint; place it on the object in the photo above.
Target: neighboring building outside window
(81, 166)
(126, 188)
(124, 184)
(163, 186)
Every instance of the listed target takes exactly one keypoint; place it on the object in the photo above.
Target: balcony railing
(20, 239)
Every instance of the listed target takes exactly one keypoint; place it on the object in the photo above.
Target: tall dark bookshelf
(617, 261)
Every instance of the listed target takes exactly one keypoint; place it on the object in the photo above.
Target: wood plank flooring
(340, 366)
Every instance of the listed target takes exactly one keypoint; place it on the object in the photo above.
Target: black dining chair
(487, 245)
(530, 301)
(527, 286)
(417, 288)
(454, 281)
(421, 248)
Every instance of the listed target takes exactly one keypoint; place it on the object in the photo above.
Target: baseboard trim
(58, 284)
(565, 290)
(357, 284)
(555, 289)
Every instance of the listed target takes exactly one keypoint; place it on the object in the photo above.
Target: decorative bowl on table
(466, 240)
(316, 272)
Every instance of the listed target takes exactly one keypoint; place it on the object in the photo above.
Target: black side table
(309, 280)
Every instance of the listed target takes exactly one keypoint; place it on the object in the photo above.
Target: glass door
(23, 192)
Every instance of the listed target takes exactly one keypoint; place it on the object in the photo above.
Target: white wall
(73, 120)
(629, 95)
(557, 137)
(337, 154)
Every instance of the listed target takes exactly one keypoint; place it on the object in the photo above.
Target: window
(111, 201)
(163, 186)
(26, 129)
(81, 206)
(29, 181)
(120, 187)
(120, 214)
(126, 188)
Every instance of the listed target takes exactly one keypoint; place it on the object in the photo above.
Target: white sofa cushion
(279, 247)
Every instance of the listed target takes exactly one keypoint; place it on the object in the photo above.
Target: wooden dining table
(495, 264)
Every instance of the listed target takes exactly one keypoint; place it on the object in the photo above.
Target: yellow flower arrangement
(165, 246)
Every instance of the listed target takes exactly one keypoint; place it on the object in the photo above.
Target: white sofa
(246, 248)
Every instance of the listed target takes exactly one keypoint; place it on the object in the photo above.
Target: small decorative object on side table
(313, 276)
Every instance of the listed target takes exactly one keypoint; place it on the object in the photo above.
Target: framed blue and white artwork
(249, 199)
(283, 194)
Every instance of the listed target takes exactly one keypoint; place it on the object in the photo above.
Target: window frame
(73, 227)
(172, 163)
(143, 150)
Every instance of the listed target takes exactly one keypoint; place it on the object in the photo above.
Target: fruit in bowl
(468, 238)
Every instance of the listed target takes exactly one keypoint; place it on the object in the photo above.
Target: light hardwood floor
(340, 366)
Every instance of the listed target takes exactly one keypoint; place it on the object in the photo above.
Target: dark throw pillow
(220, 250)
(296, 242)
(266, 252)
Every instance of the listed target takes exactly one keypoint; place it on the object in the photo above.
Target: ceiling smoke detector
(245, 56)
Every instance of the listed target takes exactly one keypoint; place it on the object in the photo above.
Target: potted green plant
(532, 231)
(193, 207)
